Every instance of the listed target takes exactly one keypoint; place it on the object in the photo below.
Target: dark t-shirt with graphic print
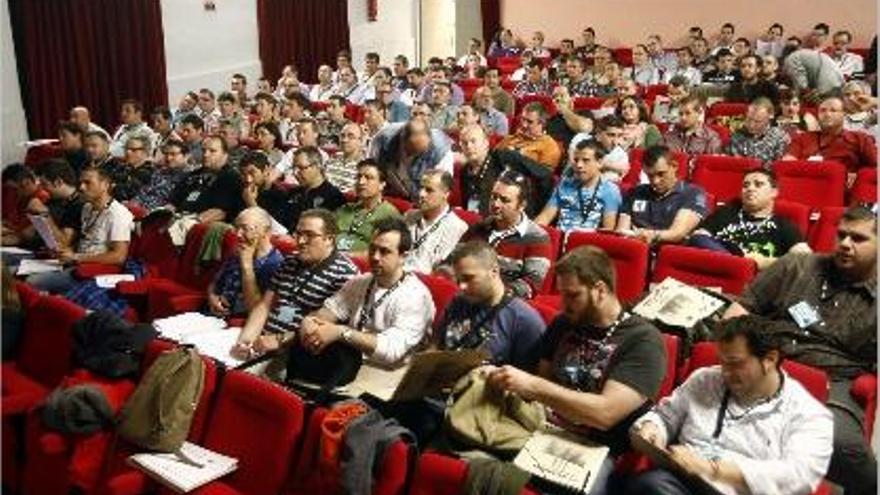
(772, 236)
(583, 358)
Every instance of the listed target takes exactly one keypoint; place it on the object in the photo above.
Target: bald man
(81, 117)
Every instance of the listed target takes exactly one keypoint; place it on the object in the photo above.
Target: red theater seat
(722, 175)
(704, 268)
(864, 189)
(815, 184)
(823, 234)
(438, 474)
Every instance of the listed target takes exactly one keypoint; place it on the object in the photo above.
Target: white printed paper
(30, 267)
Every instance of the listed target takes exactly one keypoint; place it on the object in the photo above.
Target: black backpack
(107, 345)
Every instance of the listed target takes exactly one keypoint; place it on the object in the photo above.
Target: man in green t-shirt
(357, 220)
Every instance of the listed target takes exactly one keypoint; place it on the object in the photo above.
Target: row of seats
(268, 428)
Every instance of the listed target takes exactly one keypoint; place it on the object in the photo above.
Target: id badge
(640, 205)
(815, 158)
(193, 196)
(286, 314)
(804, 314)
(344, 243)
(473, 204)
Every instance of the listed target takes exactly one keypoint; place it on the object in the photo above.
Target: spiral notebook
(184, 473)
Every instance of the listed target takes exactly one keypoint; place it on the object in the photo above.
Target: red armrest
(133, 288)
(187, 303)
(864, 391)
(92, 270)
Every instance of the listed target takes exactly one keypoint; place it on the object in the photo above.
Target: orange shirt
(544, 150)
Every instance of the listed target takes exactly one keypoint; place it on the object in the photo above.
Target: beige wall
(625, 22)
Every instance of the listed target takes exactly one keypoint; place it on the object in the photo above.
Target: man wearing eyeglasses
(300, 287)
(531, 139)
(824, 308)
(134, 171)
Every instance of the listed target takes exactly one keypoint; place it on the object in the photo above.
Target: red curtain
(304, 33)
(490, 10)
(87, 52)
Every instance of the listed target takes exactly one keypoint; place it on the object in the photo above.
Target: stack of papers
(184, 473)
(208, 334)
(562, 458)
(30, 267)
(110, 281)
(678, 304)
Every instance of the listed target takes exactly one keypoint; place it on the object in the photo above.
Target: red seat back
(823, 234)
(469, 217)
(705, 354)
(623, 56)
(469, 87)
(438, 474)
(45, 351)
(722, 175)
(442, 291)
(191, 272)
(864, 189)
(549, 286)
(587, 103)
(27, 295)
(815, 184)
(795, 213)
(401, 204)
(630, 258)
(259, 423)
(727, 109)
(671, 343)
(704, 268)
(723, 132)
(548, 313)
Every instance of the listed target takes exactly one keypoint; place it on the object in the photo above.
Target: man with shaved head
(408, 151)
(81, 117)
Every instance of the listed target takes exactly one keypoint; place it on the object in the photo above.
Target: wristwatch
(347, 334)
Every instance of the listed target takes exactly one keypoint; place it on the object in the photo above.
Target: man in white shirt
(132, 115)
(745, 426)
(103, 237)
(848, 63)
(434, 227)
(385, 314)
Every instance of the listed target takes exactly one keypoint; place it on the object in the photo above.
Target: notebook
(562, 459)
(183, 476)
(30, 267)
(662, 458)
(179, 326)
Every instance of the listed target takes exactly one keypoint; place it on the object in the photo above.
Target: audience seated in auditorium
(588, 40)
(243, 277)
(386, 314)
(583, 200)
(724, 71)
(770, 71)
(609, 136)
(313, 189)
(268, 139)
(104, 233)
(134, 171)
(523, 246)
(495, 121)
(238, 87)
(356, 221)
(307, 135)
(440, 74)
(97, 146)
(341, 168)
(751, 85)
(771, 42)
(185, 106)
(813, 72)
(259, 190)
(322, 90)
(391, 103)
(637, 130)
(691, 134)
(210, 191)
(331, 123)
(207, 110)
(131, 114)
(725, 38)
(161, 118)
(435, 229)
(667, 107)
(666, 209)
(567, 123)
(503, 44)
(444, 112)
(21, 181)
(832, 141)
(231, 110)
(399, 68)
(293, 110)
(684, 67)
(534, 83)
(531, 139)
(371, 68)
(70, 138)
(749, 227)
(482, 167)
(566, 48)
(600, 366)
(824, 310)
(732, 453)
(847, 62)
(665, 62)
(231, 135)
(758, 137)
(192, 131)
(643, 71)
(576, 78)
(790, 117)
(299, 287)
(168, 173)
(407, 151)
(374, 120)
(80, 116)
(265, 108)
(484, 316)
(65, 204)
(703, 59)
(860, 108)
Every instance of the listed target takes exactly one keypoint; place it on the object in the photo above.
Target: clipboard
(41, 225)
(427, 374)
(663, 459)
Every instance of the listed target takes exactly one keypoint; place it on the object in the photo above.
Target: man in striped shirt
(298, 288)
(523, 247)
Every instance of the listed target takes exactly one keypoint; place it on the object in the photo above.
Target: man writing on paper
(306, 279)
(600, 365)
(746, 426)
(105, 233)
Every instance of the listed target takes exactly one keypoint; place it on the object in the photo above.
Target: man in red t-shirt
(832, 142)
